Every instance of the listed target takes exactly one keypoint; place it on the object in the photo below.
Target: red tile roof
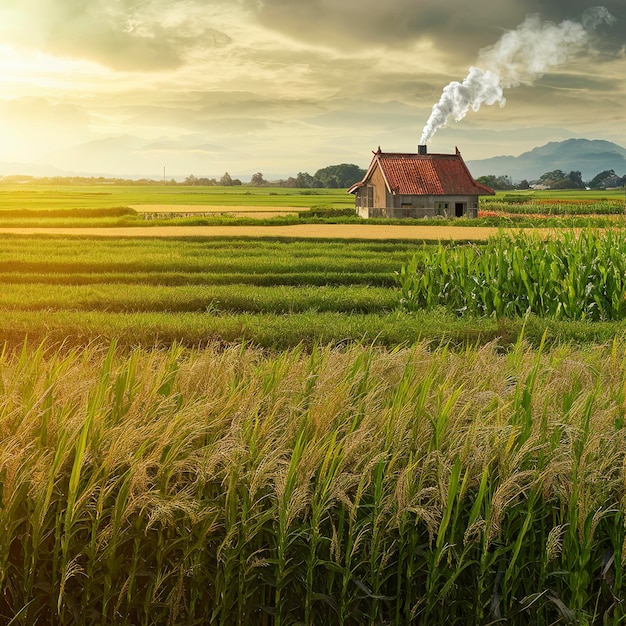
(425, 174)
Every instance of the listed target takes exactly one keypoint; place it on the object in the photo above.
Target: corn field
(577, 276)
(346, 486)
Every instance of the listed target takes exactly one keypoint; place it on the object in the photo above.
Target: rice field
(563, 203)
(333, 486)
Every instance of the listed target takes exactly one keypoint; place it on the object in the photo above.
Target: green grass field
(35, 196)
(276, 294)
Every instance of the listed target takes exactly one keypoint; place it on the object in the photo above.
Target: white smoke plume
(519, 58)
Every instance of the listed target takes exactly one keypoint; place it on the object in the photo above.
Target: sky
(203, 87)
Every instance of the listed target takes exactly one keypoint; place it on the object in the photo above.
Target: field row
(116, 298)
(207, 255)
(276, 294)
(286, 330)
(154, 291)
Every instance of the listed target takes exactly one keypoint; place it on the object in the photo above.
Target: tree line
(331, 177)
(556, 179)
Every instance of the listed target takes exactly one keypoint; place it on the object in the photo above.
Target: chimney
(421, 149)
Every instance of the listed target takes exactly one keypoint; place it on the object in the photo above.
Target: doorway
(458, 209)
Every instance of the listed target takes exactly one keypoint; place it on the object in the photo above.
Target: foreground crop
(326, 487)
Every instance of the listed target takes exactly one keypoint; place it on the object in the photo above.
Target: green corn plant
(571, 276)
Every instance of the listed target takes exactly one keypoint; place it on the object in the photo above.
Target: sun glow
(32, 73)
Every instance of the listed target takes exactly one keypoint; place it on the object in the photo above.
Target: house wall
(407, 206)
(378, 196)
(377, 180)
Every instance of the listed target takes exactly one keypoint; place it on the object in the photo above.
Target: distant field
(195, 209)
(556, 203)
(565, 194)
(34, 196)
(106, 206)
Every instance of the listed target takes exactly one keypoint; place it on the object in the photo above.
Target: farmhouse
(418, 185)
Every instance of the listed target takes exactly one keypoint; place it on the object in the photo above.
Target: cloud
(457, 29)
(610, 38)
(121, 34)
(214, 112)
(41, 111)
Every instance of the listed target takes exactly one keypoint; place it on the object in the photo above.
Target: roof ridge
(417, 154)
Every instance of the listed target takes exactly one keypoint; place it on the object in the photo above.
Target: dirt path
(306, 231)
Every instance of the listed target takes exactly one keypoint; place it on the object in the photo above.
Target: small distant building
(418, 185)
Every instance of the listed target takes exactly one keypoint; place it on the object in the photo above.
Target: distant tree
(257, 180)
(500, 183)
(554, 175)
(564, 183)
(226, 180)
(190, 180)
(596, 181)
(304, 180)
(554, 179)
(237, 182)
(524, 184)
(343, 175)
(577, 180)
(558, 179)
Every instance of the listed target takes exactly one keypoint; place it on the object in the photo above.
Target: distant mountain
(130, 156)
(29, 169)
(590, 157)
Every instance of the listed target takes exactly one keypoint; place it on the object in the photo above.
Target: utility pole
(164, 174)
